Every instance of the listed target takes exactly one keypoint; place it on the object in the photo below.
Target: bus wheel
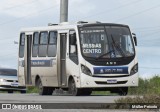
(23, 91)
(123, 91)
(49, 91)
(42, 90)
(72, 88)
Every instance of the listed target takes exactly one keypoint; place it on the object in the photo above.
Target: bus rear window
(22, 43)
(22, 39)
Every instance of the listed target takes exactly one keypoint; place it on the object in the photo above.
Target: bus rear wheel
(23, 91)
(72, 88)
(44, 90)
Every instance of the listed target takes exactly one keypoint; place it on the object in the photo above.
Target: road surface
(35, 98)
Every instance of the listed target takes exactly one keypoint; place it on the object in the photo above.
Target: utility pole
(64, 11)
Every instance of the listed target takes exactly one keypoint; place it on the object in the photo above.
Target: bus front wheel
(123, 91)
(72, 88)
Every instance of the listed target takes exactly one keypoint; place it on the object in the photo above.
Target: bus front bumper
(102, 82)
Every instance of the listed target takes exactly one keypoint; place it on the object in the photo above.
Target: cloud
(21, 8)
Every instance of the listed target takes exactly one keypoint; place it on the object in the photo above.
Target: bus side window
(52, 46)
(35, 44)
(21, 46)
(43, 44)
(73, 53)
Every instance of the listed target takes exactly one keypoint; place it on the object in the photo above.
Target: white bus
(80, 58)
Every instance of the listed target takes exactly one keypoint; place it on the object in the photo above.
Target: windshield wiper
(104, 54)
(118, 47)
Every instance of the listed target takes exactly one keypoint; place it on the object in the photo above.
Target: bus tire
(23, 91)
(42, 90)
(49, 91)
(72, 88)
(123, 91)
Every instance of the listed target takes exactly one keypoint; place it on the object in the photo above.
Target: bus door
(62, 77)
(27, 59)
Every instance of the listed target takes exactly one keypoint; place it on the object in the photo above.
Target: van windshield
(8, 72)
(106, 42)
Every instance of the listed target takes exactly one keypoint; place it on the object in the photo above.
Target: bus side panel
(21, 72)
(47, 73)
(73, 70)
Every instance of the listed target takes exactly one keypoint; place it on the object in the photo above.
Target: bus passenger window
(73, 53)
(52, 46)
(35, 44)
(43, 44)
(22, 43)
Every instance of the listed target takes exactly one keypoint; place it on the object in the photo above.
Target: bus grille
(118, 82)
(111, 76)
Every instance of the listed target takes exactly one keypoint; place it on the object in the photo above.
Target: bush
(146, 86)
(153, 98)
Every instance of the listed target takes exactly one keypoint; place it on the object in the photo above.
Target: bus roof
(66, 25)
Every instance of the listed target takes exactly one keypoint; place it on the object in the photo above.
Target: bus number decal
(110, 70)
(38, 63)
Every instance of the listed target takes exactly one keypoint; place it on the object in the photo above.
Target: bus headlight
(2, 80)
(134, 69)
(86, 70)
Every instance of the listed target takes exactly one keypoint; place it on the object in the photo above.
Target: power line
(35, 13)
(149, 68)
(9, 54)
(153, 33)
(138, 13)
(147, 27)
(110, 10)
(20, 5)
(151, 30)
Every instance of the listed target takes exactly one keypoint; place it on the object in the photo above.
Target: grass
(100, 93)
(32, 89)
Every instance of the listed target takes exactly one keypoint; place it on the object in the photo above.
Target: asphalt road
(6, 98)
(35, 98)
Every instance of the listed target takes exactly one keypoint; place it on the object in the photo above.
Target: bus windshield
(106, 42)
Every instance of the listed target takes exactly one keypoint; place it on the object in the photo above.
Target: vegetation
(151, 98)
(146, 86)
(32, 89)
(148, 91)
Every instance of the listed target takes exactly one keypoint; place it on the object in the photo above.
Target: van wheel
(72, 88)
(42, 90)
(123, 91)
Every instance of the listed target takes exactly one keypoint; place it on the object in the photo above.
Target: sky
(141, 15)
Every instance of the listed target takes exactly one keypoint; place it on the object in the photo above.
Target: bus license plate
(14, 84)
(111, 81)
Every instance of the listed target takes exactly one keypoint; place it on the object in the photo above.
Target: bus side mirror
(134, 38)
